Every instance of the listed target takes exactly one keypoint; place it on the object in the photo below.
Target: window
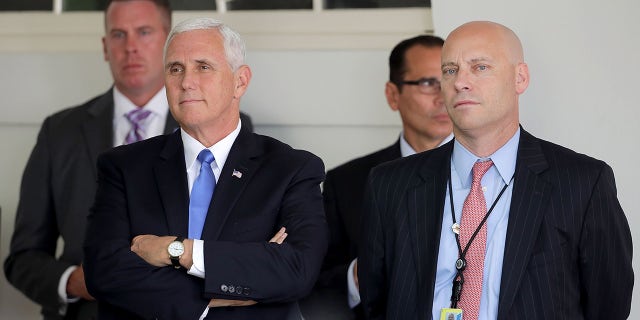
(269, 5)
(264, 24)
(230, 5)
(335, 4)
(26, 5)
(89, 5)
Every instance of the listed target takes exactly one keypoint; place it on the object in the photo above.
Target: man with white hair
(183, 231)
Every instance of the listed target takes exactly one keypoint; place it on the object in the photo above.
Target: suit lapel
(97, 129)
(529, 198)
(424, 228)
(238, 169)
(171, 177)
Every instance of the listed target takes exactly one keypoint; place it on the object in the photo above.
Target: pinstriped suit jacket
(568, 248)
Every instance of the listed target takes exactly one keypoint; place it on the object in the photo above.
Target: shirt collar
(504, 159)
(158, 104)
(406, 149)
(220, 150)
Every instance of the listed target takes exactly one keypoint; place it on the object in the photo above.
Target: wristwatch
(176, 249)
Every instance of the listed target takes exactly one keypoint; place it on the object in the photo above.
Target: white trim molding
(262, 30)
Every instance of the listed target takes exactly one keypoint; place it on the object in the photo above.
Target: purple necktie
(136, 118)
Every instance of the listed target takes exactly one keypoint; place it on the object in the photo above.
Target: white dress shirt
(154, 123)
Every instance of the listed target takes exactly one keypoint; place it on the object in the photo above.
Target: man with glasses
(413, 89)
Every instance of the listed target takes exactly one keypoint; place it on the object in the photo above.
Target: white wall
(583, 59)
(582, 56)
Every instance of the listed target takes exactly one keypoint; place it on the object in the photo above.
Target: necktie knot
(136, 117)
(479, 169)
(205, 157)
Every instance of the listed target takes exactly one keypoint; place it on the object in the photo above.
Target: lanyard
(461, 263)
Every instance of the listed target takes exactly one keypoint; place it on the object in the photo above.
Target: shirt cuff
(62, 290)
(197, 255)
(204, 314)
(354, 295)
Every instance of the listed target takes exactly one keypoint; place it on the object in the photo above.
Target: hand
(214, 303)
(76, 286)
(279, 236)
(152, 249)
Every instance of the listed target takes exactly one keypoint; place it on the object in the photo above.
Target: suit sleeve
(605, 254)
(337, 260)
(117, 276)
(371, 266)
(270, 272)
(31, 265)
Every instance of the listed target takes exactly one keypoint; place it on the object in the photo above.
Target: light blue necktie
(201, 194)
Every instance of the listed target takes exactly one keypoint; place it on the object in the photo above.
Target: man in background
(413, 90)
(59, 181)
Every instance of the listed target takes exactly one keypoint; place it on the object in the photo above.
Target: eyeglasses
(425, 85)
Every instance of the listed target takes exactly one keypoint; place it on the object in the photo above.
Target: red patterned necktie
(473, 211)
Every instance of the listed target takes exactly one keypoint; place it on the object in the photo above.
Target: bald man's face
(481, 80)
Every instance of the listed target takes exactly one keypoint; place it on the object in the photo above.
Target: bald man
(496, 224)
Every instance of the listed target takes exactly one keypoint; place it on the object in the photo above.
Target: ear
(243, 77)
(104, 48)
(522, 77)
(393, 94)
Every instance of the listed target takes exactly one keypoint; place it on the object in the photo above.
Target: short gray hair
(234, 47)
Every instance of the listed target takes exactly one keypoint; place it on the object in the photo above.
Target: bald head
(491, 34)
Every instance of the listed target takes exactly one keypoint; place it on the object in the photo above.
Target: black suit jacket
(343, 191)
(568, 247)
(279, 186)
(58, 187)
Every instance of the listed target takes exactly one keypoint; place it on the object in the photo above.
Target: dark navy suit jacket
(58, 187)
(142, 189)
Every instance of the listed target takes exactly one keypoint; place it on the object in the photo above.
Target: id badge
(450, 314)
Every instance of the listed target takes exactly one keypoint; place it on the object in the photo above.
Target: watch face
(176, 249)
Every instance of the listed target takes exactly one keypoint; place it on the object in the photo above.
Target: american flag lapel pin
(237, 174)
